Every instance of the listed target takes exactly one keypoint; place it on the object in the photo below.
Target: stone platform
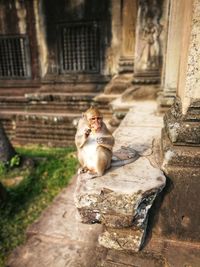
(59, 239)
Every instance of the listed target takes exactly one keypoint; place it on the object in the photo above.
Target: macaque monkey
(94, 143)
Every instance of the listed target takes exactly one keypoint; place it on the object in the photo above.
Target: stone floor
(58, 238)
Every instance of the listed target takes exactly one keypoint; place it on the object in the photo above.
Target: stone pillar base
(147, 77)
(165, 100)
(179, 157)
(179, 213)
(183, 129)
(126, 65)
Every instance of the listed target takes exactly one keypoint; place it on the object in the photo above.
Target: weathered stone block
(119, 191)
(123, 239)
(120, 200)
(176, 155)
(183, 129)
(178, 215)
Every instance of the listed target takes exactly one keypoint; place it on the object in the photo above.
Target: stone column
(129, 12)
(173, 52)
(31, 30)
(113, 51)
(147, 63)
(179, 216)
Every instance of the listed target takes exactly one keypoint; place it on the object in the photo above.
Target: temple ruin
(57, 58)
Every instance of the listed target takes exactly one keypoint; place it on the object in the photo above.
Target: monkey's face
(95, 123)
(94, 119)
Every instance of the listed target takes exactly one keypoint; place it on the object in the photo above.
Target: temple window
(80, 47)
(14, 57)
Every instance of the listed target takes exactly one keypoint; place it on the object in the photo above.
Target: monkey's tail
(126, 155)
(117, 161)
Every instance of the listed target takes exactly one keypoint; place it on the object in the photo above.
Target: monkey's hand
(84, 137)
(100, 140)
(106, 142)
(87, 132)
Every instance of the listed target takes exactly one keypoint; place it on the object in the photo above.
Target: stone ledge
(120, 191)
(121, 199)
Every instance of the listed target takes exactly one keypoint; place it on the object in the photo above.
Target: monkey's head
(94, 119)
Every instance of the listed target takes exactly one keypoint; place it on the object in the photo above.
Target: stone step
(78, 102)
(12, 98)
(103, 103)
(60, 101)
(70, 88)
(62, 96)
(67, 83)
(46, 142)
(47, 96)
(14, 102)
(44, 131)
(102, 98)
(48, 101)
(46, 112)
(29, 114)
(15, 91)
(118, 84)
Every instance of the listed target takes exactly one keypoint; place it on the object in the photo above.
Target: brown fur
(98, 146)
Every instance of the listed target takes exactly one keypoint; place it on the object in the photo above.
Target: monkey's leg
(103, 160)
(83, 168)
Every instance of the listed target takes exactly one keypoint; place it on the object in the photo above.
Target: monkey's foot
(91, 172)
(82, 170)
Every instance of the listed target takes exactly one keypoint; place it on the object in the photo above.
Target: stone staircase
(46, 114)
(59, 102)
(112, 91)
(40, 128)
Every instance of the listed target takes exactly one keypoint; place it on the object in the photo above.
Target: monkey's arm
(80, 139)
(82, 133)
(106, 141)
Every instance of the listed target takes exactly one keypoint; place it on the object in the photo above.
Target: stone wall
(179, 214)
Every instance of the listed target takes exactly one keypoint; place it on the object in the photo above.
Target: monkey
(94, 143)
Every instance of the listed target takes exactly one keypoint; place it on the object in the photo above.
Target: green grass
(40, 184)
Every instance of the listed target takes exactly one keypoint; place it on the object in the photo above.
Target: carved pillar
(31, 29)
(179, 216)
(129, 13)
(173, 52)
(113, 51)
(147, 63)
